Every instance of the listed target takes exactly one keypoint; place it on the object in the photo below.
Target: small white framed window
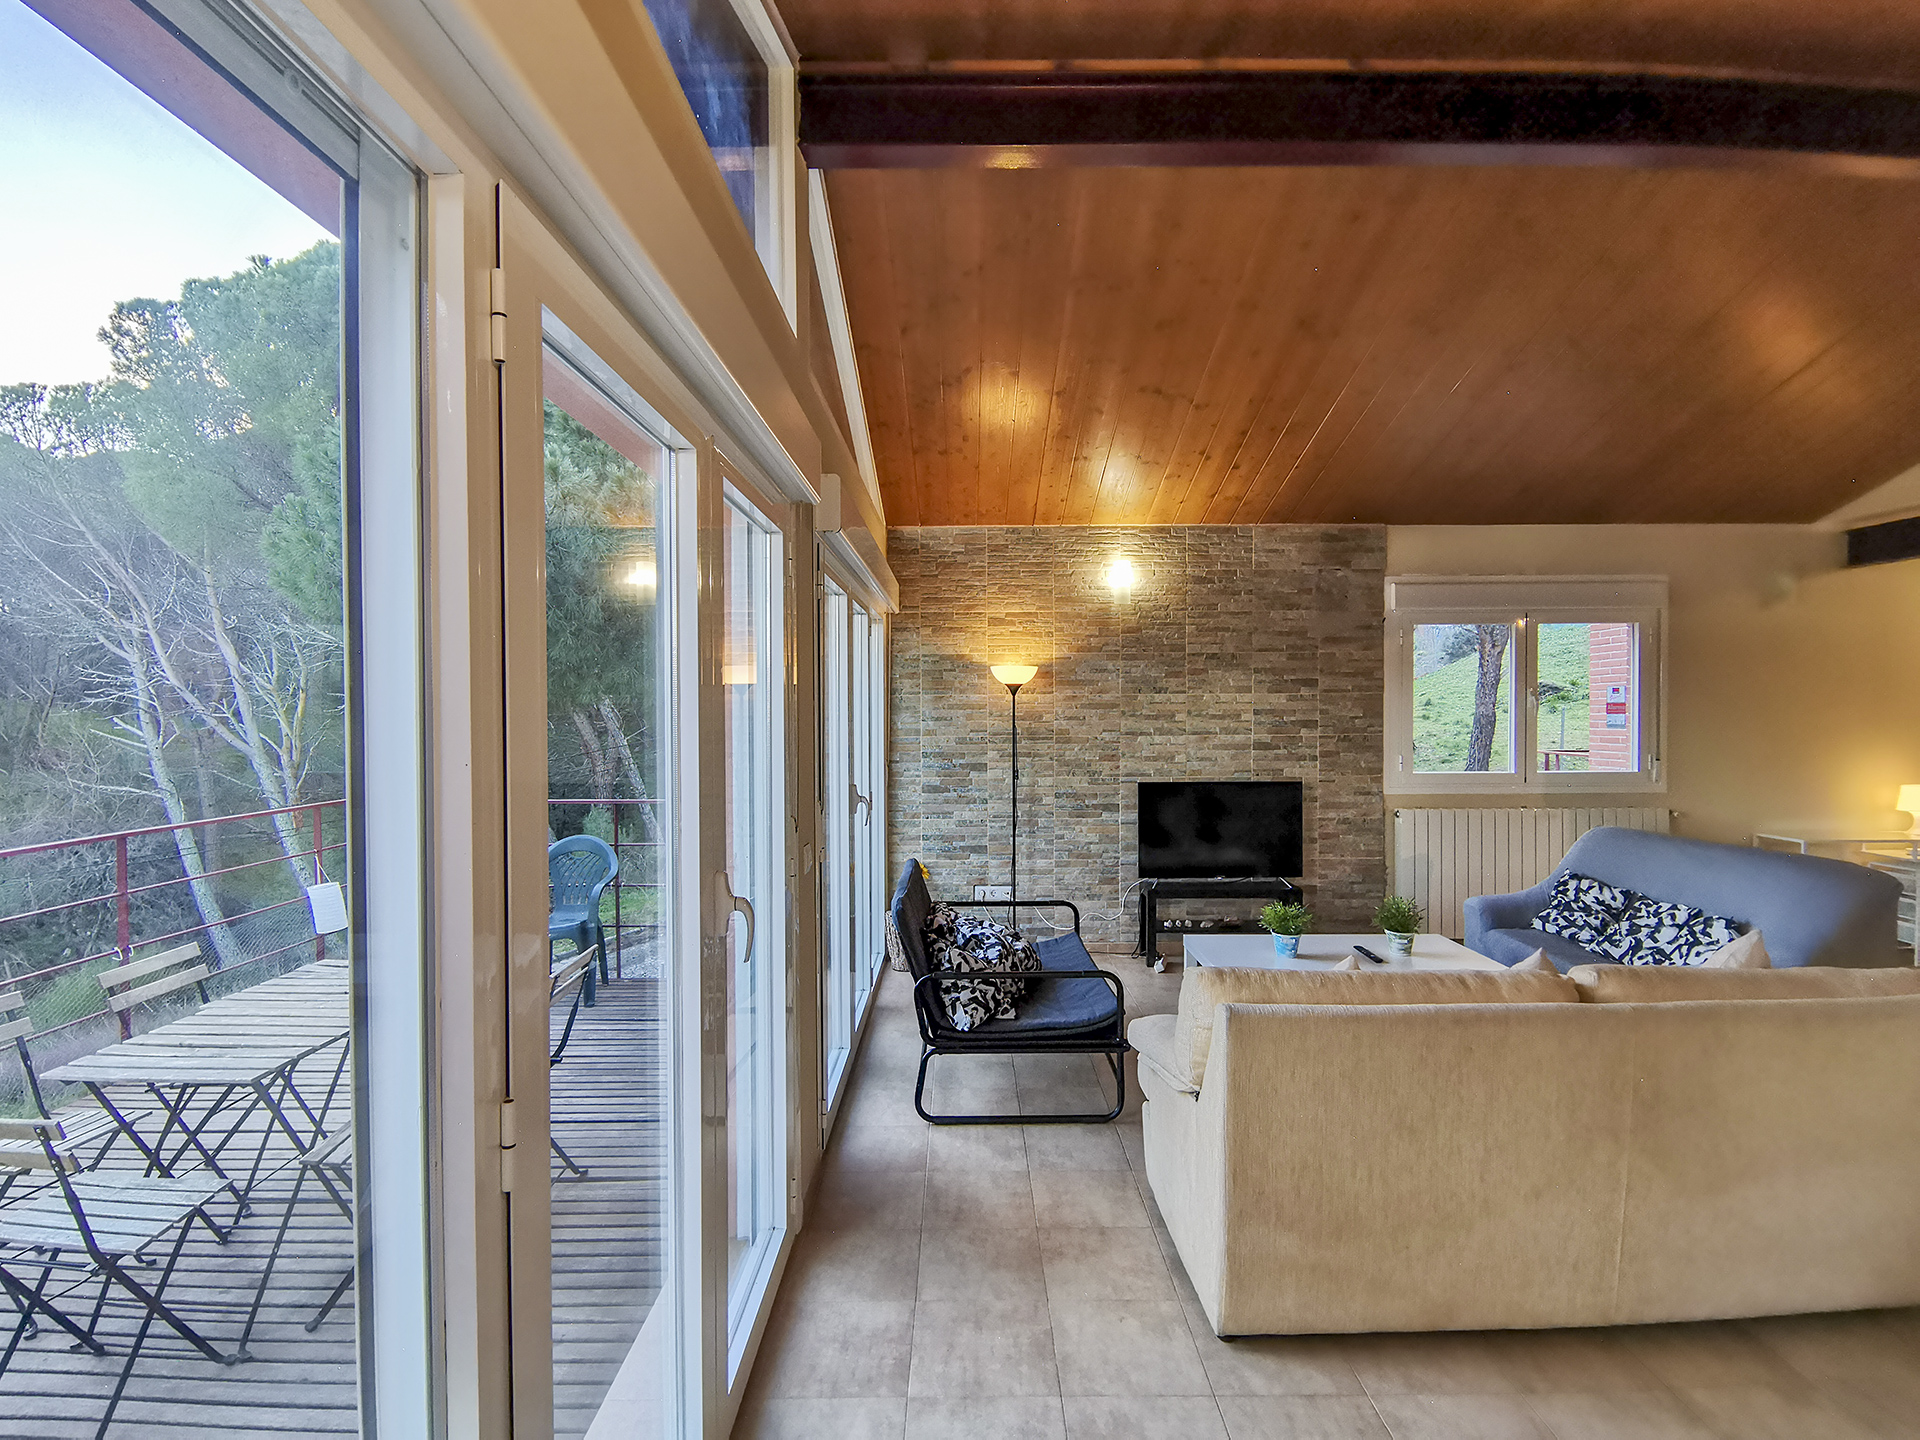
(735, 66)
(1525, 683)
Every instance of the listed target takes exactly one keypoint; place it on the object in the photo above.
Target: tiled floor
(1005, 1281)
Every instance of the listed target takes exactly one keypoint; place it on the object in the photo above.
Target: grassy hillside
(1443, 703)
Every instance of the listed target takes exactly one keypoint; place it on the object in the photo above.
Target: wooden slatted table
(247, 1046)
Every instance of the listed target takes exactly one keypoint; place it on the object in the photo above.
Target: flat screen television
(1215, 829)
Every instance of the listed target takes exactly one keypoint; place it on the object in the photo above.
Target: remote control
(1367, 954)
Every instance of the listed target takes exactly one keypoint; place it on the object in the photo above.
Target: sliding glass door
(609, 477)
(852, 647)
(837, 891)
(753, 673)
(212, 822)
(868, 705)
(597, 496)
(646, 1132)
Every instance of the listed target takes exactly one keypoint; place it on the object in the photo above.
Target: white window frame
(778, 242)
(746, 1298)
(837, 765)
(1526, 603)
(777, 237)
(776, 232)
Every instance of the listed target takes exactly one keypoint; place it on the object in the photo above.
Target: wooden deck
(607, 1249)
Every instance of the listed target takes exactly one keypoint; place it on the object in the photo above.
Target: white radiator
(1441, 857)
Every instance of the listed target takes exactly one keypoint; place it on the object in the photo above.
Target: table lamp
(1909, 801)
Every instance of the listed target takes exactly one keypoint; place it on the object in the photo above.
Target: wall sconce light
(1120, 574)
(642, 576)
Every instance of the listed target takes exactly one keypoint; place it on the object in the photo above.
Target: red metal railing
(140, 877)
(311, 822)
(622, 881)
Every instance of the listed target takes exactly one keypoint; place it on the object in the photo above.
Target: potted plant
(1287, 924)
(1401, 919)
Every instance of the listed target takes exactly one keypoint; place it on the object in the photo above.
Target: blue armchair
(1811, 911)
(579, 869)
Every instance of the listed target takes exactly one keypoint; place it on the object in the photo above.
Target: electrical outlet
(993, 892)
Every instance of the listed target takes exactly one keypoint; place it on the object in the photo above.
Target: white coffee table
(1323, 952)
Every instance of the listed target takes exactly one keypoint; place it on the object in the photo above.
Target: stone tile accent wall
(1245, 652)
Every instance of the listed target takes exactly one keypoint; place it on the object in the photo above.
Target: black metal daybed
(1073, 1007)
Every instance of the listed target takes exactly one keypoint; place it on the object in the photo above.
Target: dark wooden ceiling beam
(1026, 119)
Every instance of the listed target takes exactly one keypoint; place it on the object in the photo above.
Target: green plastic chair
(579, 868)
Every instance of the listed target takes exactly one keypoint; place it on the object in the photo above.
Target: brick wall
(1610, 681)
(1242, 653)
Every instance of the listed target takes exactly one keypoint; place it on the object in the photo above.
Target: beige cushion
(1749, 952)
(1535, 964)
(1655, 984)
(1207, 987)
(1152, 1038)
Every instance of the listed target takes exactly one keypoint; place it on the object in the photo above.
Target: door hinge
(497, 318)
(509, 1138)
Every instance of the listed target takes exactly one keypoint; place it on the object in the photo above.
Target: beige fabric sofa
(1496, 1151)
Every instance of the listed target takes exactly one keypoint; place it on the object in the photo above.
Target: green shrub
(1398, 915)
(1285, 919)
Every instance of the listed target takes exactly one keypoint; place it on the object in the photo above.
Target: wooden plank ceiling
(1838, 39)
(1396, 344)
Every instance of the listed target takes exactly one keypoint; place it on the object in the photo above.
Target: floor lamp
(1013, 677)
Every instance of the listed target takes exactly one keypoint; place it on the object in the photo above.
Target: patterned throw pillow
(1664, 932)
(964, 943)
(1582, 909)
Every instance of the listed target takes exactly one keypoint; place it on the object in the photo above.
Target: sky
(107, 198)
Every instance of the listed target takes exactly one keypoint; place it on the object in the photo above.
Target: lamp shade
(1015, 675)
(1909, 801)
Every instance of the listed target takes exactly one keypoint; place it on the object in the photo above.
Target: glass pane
(877, 880)
(721, 71)
(1589, 705)
(836, 779)
(610, 1092)
(1463, 698)
(751, 674)
(868, 902)
(175, 735)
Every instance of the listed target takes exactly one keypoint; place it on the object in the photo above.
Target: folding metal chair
(326, 1161)
(112, 1221)
(82, 1128)
(20, 1158)
(570, 975)
(133, 983)
(238, 1093)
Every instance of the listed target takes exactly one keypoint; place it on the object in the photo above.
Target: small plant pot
(1287, 947)
(1399, 943)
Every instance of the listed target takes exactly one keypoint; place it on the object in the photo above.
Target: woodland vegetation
(172, 635)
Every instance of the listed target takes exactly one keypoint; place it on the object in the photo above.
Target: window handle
(742, 905)
(860, 801)
(726, 903)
